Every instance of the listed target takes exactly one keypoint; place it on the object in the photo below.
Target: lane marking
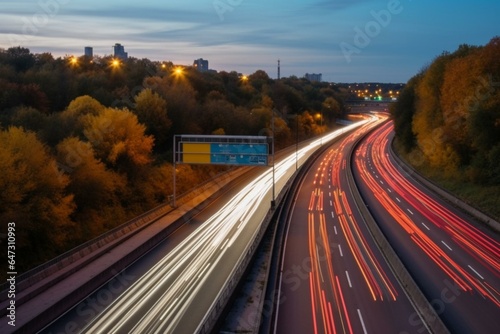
(335, 229)
(397, 199)
(444, 243)
(362, 322)
(474, 270)
(389, 190)
(409, 211)
(427, 227)
(333, 216)
(340, 249)
(348, 278)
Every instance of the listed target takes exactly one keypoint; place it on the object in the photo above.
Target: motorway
(333, 277)
(454, 260)
(175, 294)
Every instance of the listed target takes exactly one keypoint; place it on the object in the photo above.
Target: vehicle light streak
(470, 239)
(180, 276)
(330, 311)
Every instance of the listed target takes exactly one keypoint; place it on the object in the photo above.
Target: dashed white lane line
(427, 227)
(474, 270)
(340, 249)
(444, 243)
(348, 278)
(362, 322)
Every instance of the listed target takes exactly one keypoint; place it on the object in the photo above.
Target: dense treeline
(448, 115)
(85, 144)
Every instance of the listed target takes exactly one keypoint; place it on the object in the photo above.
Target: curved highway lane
(334, 279)
(454, 260)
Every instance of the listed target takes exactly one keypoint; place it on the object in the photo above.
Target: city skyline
(346, 41)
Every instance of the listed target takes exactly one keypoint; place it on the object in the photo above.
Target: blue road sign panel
(223, 148)
(239, 154)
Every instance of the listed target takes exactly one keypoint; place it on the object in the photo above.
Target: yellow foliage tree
(117, 136)
(96, 189)
(33, 196)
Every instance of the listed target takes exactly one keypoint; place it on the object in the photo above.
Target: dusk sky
(345, 40)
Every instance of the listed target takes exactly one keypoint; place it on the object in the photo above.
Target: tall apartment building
(89, 52)
(119, 51)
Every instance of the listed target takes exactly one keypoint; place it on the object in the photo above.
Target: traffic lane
(402, 310)
(457, 308)
(457, 234)
(83, 313)
(444, 248)
(478, 252)
(351, 287)
(201, 253)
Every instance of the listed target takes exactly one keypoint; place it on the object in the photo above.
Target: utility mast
(278, 69)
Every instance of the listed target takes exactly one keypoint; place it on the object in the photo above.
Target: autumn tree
(453, 108)
(33, 196)
(96, 189)
(118, 139)
(151, 110)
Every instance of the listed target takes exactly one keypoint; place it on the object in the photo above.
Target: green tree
(403, 111)
(331, 109)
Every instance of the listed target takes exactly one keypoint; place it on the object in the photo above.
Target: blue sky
(345, 40)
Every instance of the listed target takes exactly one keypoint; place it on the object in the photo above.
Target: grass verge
(484, 197)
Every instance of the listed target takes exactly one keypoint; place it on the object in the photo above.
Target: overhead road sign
(222, 150)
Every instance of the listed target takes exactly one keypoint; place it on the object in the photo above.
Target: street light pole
(273, 203)
(297, 142)
(175, 176)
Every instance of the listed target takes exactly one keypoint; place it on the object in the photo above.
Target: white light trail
(181, 274)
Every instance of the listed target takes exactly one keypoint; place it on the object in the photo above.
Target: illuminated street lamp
(178, 71)
(115, 63)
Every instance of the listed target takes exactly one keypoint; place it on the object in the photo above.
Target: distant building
(313, 77)
(89, 52)
(201, 65)
(119, 51)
